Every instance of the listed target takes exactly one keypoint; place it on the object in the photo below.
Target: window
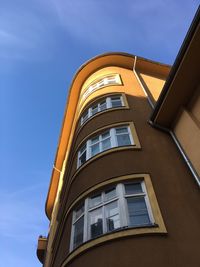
(114, 137)
(106, 103)
(122, 205)
(105, 81)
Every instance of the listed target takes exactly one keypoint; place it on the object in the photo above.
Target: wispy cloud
(29, 31)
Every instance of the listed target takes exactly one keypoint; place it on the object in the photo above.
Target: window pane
(94, 109)
(82, 158)
(101, 83)
(105, 134)
(78, 232)
(95, 200)
(96, 223)
(85, 116)
(133, 188)
(138, 214)
(95, 139)
(106, 144)
(112, 216)
(82, 149)
(116, 101)
(79, 210)
(123, 140)
(102, 105)
(110, 193)
(121, 130)
(95, 149)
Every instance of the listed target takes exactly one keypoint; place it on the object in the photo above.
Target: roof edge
(177, 63)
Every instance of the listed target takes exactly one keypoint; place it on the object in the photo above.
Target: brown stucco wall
(176, 191)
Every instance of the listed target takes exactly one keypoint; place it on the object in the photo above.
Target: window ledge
(119, 233)
(101, 154)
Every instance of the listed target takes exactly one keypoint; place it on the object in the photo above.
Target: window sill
(118, 233)
(111, 150)
(102, 112)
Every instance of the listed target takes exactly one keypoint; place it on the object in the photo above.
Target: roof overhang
(118, 59)
(182, 80)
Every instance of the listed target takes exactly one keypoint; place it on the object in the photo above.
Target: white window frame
(108, 106)
(113, 140)
(121, 199)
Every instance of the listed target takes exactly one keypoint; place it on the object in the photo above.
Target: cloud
(32, 30)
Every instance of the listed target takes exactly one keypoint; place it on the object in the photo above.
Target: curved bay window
(114, 101)
(111, 79)
(119, 206)
(110, 138)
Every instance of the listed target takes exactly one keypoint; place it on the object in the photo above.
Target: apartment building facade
(124, 189)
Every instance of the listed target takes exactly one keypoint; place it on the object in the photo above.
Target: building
(124, 189)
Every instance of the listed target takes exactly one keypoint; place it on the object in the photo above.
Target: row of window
(110, 138)
(113, 79)
(105, 103)
(119, 206)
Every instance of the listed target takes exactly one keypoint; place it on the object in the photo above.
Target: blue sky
(42, 44)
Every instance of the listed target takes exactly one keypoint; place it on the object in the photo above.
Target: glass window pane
(78, 232)
(82, 158)
(95, 139)
(116, 104)
(115, 97)
(105, 134)
(95, 200)
(106, 144)
(102, 105)
(116, 101)
(79, 211)
(138, 214)
(101, 83)
(134, 188)
(121, 130)
(95, 149)
(110, 193)
(112, 216)
(83, 148)
(123, 140)
(85, 116)
(94, 109)
(96, 223)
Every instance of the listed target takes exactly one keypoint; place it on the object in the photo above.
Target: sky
(42, 44)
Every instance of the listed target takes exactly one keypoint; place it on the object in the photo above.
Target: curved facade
(111, 201)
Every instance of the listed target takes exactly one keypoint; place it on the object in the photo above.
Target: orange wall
(188, 134)
(154, 85)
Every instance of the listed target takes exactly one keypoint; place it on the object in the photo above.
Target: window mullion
(122, 207)
(72, 233)
(113, 138)
(130, 135)
(89, 113)
(147, 203)
(85, 231)
(109, 102)
(104, 218)
(78, 161)
(122, 101)
(100, 144)
(88, 149)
